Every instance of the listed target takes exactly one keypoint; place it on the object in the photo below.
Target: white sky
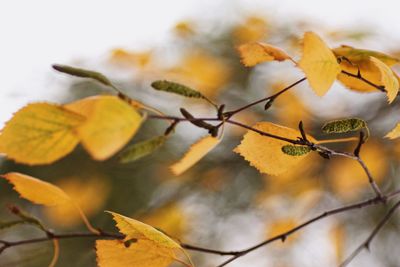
(35, 34)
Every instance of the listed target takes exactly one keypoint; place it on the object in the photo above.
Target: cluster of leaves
(42, 133)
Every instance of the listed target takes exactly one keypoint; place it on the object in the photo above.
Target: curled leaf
(357, 55)
(83, 73)
(318, 63)
(252, 54)
(344, 125)
(295, 150)
(196, 152)
(176, 88)
(141, 149)
(387, 79)
(40, 133)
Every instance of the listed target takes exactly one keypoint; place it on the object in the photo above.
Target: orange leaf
(252, 54)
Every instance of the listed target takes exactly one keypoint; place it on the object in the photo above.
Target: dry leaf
(109, 126)
(265, 153)
(356, 55)
(252, 54)
(318, 63)
(40, 133)
(387, 79)
(196, 152)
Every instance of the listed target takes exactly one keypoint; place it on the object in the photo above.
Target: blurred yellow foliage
(89, 193)
(171, 219)
(348, 179)
(131, 59)
(253, 29)
(184, 29)
(201, 71)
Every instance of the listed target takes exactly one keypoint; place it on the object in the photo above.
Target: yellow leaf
(134, 229)
(394, 133)
(356, 55)
(388, 79)
(252, 54)
(43, 193)
(89, 193)
(368, 71)
(265, 153)
(35, 190)
(109, 126)
(318, 63)
(40, 133)
(114, 253)
(196, 152)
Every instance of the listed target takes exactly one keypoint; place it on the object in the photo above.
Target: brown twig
(366, 244)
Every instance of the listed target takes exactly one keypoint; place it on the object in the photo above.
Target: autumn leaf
(134, 229)
(43, 193)
(114, 253)
(141, 241)
(394, 133)
(357, 55)
(40, 133)
(196, 152)
(387, 79)
(355, 60)
(318, 63)
(252, 54)
(110, 124)
(35, 190)
(265, 153)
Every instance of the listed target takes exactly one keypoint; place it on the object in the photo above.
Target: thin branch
(366, 244)
(358, 76)
(283, 236)
(269, 98)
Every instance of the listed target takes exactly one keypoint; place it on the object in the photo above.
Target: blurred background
(222, 202)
